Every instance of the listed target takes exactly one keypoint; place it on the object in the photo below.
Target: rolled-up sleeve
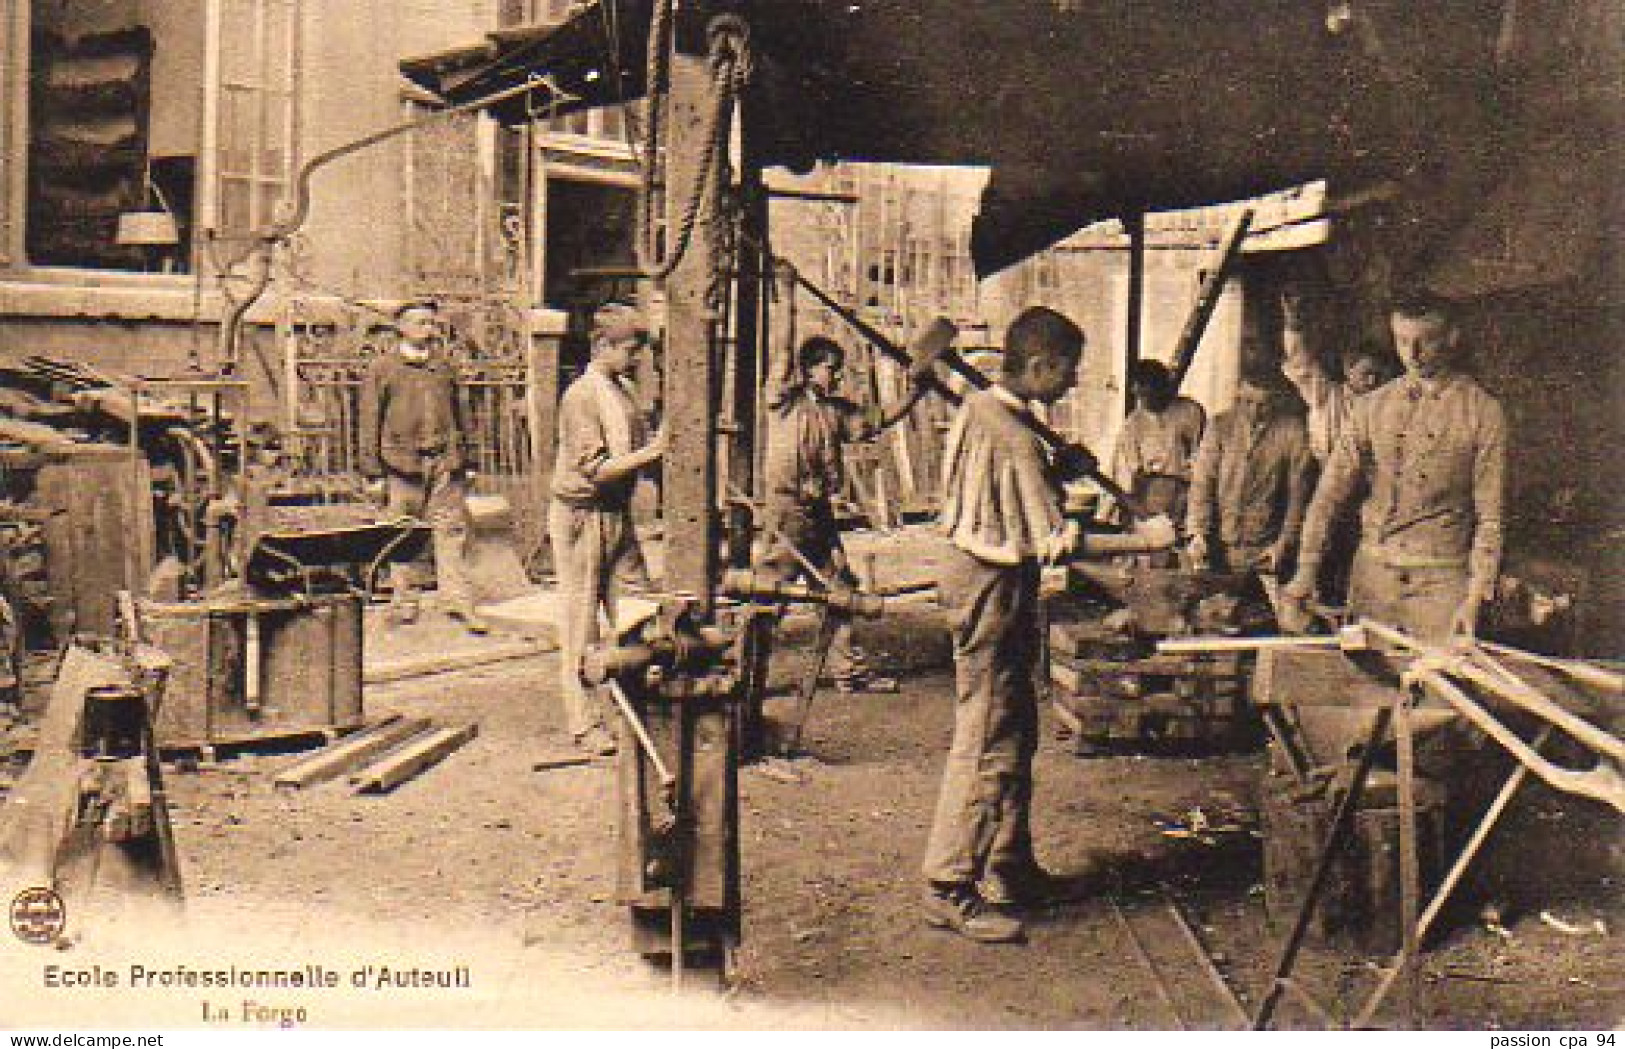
(1489, 496)
(1338, 482)
(583, 448)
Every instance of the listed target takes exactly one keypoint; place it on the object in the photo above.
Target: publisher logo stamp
(38, 915)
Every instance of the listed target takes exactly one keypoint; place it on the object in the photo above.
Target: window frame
(214, 174)
(16, 19)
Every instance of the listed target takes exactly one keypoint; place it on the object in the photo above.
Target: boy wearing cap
(411, 438)
(603, 446)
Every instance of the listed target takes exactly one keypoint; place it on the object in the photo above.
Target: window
(98, 100)
(150, 119)
(258, 55)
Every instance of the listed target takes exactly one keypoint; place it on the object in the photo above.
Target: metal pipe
(259, 254)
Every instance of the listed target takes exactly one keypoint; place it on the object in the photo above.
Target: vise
(675, 682)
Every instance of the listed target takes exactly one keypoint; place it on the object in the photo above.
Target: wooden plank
(423, 752)
(1207, 299)
(560, 761)
(349, 754)
(1066, 677)
(423, 666)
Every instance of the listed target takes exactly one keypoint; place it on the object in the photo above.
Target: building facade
(145, 143)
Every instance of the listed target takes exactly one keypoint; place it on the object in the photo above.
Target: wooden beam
(1207, 300)
(423, 752)
(693, 390)
(43, 804)
(349, 754)
(1132, 332)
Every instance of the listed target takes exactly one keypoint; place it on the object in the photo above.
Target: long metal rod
(827, 625)
(1341, 821)
(1045, 432)
(795, 551)
(667, 780)
(259, 253)
(1458, 870)
(1601, 783)
(1516, 691)
(1578, 669)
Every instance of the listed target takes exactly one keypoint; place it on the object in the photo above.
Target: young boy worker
(603, 447)
(1001, 513)
(809, 423)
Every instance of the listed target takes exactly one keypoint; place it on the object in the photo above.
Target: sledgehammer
(936, 344)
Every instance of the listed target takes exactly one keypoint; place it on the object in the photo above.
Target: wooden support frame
(1207, 299)
(1342, 822)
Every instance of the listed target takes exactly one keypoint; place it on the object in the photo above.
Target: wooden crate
(1116, 691)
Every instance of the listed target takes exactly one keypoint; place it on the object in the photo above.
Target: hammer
(936, 344)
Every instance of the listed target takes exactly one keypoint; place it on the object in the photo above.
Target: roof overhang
(1087, 110)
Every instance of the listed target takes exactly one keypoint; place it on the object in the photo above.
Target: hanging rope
(729, 62)
(656, 68)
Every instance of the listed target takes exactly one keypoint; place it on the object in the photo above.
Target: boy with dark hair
(1156, 447)
(804, 469)
(1001, 513)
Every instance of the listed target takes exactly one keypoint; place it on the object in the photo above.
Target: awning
(1087, 110)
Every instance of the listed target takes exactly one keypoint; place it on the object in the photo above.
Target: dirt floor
(484, 862)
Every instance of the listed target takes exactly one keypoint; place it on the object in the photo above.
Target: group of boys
(1423, 456)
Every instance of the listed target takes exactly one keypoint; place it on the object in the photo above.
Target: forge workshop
(796, 514)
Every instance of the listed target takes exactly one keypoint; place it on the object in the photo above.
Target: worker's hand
(1197, 555)
(1464, 623)
(657, 446)
(1074, 461)
(1062, 544)
(1156, 533)
(1292, 604)
(377, 490)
